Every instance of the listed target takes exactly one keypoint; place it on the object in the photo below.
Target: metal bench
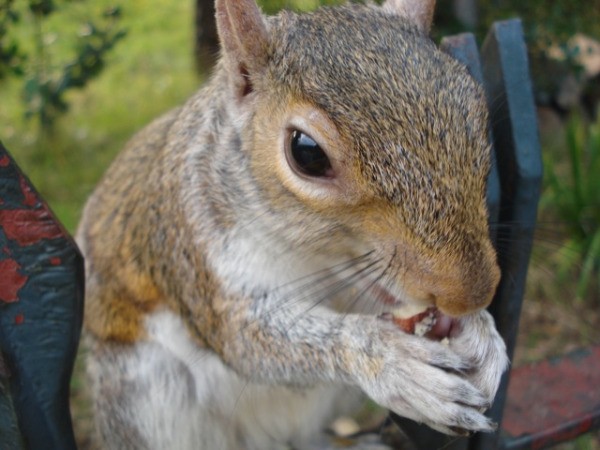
(41, 288)
(41, 309)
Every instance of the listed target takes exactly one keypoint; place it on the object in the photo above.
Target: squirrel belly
(202, 402)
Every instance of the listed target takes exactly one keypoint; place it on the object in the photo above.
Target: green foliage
(146, 74)
(11, 60)
(272, 6)
(548, 26)
(573, 194)
(547, 22)
(45, 81)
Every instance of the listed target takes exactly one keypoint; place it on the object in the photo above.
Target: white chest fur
(249, 415)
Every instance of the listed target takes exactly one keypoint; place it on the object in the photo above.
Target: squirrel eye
(308, 156)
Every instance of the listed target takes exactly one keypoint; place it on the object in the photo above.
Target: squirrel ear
(244, 40)
(419, 12)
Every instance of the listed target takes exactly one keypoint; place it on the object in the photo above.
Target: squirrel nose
(466, 291)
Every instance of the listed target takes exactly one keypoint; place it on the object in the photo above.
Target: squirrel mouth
(418, 319)
(431, 323)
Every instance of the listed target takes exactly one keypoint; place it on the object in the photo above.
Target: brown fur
(404, 126)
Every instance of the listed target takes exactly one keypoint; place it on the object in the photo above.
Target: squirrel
(246, 252)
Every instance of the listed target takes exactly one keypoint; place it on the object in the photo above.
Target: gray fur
(220, 285)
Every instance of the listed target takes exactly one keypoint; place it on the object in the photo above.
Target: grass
(572, 198)
(148, 73)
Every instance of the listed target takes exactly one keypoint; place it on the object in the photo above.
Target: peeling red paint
(12, 280)
(55, 261)
(556, 400)
(29, 226)
(19, 319)
(29, 196)
(4, 161)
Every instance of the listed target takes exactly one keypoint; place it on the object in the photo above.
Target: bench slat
(41, 309)
(513, 117)
(553, 401)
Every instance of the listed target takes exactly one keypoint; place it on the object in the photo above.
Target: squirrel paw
(444, 386)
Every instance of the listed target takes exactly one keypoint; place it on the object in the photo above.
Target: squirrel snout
(462, 292)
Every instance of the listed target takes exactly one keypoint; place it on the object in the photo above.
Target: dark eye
(308, 157)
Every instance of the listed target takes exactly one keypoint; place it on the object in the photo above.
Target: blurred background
(79, 77)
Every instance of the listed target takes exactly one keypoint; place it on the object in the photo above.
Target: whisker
(343, 284)
(375, 281)
(332, 271)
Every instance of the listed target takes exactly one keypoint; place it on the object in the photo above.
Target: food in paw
(426, 321)
(415, 320)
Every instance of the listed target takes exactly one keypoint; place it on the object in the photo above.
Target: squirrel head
(355, 118)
